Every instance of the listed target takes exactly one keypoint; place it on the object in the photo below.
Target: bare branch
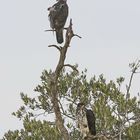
(65, 28)
(130, 82)
(54, 88)
(77, 35)
(64, 113)
(50, 30)
(37, 115)
(53, 30)
(51, 123)
(73, 101)
(135, 67)
(73, 67)
(61, 106)
(59, 48)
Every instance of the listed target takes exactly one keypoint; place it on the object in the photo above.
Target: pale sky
(110, 31)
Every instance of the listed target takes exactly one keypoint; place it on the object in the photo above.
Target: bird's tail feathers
(59, 36)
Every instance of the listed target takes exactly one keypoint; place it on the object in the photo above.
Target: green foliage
(34, 130)
(116, 112)
(133, 132)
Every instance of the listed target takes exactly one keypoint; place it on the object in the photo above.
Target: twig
(37, 115)
(70, 31)
(51, 30)
(73, 67)
(51, 123)
(63, 111)
(135, 67)
(77, 35)
(59, 48)
(130, 82)
(70, 100)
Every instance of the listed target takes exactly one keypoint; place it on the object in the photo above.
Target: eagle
(58, 14)
(85, 121)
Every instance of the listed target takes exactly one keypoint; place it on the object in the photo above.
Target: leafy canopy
(117, 113)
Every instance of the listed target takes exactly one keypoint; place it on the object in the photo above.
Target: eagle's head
(80, 107)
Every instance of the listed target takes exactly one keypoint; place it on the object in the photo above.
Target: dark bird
(58, 14)
(85, 121)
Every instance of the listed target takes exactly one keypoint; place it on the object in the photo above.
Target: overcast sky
(110, 31)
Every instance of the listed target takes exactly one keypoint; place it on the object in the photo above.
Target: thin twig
(64, 29)
(59, 48)
(37, 115)
(130, 82)
(51, 123)
(73, 67)
(51, 30)
(63, 111)
(77, 35)
(68, 116)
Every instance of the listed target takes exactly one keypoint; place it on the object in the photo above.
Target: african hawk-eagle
(85, 121)
(58, 14)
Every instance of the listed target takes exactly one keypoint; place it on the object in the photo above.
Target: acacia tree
(117, 113)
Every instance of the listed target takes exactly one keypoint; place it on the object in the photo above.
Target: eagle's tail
(59, 36)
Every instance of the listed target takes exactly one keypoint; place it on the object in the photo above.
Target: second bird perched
(58, 14)
(85, 121)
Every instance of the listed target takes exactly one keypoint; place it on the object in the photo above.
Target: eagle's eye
(85, 125)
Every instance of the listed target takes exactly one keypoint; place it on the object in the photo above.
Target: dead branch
(73, 67)
(59, 48)
(50, 30)
(77, 36)
(134, 70)
(54, 82)
(64, 113)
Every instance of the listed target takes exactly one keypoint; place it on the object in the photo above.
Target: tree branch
(54, 82)
(73, 67)
(50, 30)
(135, 67)
(59, 48)
(63, 112)
(77, 36)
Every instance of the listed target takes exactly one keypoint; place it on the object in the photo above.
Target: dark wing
(91, 121)
(54, 12)
(58, 15)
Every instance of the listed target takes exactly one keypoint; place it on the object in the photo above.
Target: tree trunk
(54, 81)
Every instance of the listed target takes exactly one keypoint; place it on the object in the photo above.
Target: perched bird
(58, 14)
(85, 121)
